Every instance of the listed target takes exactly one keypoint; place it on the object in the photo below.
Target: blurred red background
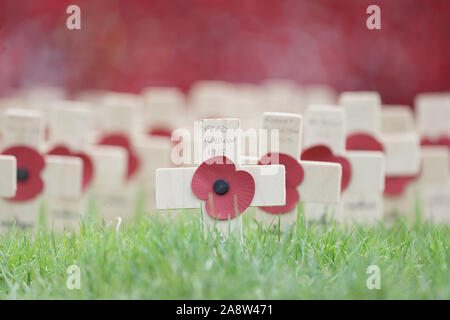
(127, 45)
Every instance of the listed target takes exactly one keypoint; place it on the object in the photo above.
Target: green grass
(158, 259)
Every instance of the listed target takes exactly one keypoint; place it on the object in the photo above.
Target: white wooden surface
(283, 96)
(21, 127)
(402, 152)
(71, 124)
(8, 173)
(64, 205)
(397, 119)
(113, 197)
(434, 184)
(362, 111)
(120, 113)
(154, 153)
(433, 114)
(362, 201)
(163, 108)
(325, 125)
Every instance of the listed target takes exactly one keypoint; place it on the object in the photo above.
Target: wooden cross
(164, 110)
(21, 127)
(321, 183)
(8, 184)
(218, 137)
(154, 152)
(433, 121)
(362, 112)
(70, 128)
(112, 199)
(63, 194)
(397, 119)
(434, 184)
(433, 115)
(119, 116)
(362, 199)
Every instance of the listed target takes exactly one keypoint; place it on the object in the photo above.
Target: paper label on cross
(218, 137)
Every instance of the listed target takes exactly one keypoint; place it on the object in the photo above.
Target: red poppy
(29, 166)
(227, 191)
(160, 132)
(441, 141)
(362, 141)
(121, 140)
(88, 167)
(294, 177)
(323, 153)
(395, 186)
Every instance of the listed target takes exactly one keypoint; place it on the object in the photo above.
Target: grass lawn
(158, 259)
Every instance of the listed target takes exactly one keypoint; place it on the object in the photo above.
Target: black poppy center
(221, 186)
(22, 174)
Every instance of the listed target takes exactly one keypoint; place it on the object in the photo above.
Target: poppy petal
(292, 198)
(160, 132)
(323, 153)
(208, 172)
(362, 141)
(395, 186)
(441, 141)
(294, 177)
(33, 162)
(293, 169)
(236, 200)
(121, 140)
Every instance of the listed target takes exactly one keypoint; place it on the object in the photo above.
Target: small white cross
(21, 127)
(322, 180)
(218, 137)
(329, 125)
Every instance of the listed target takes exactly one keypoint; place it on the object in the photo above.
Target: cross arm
(321, 182)
(173, 187)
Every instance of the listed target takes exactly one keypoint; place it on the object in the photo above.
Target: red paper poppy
(29, 166)
(323, 153)
(362, 141)
(121, 140)
(441, 141)
(294, 177)
(160, 132)
(395, 186)
(227, 191)
(88, 167)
